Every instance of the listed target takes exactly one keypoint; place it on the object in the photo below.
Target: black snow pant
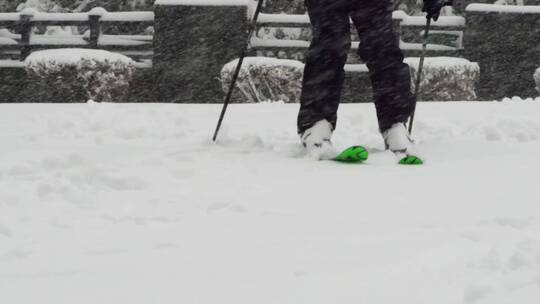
(379, 49)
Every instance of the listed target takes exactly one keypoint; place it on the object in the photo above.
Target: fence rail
(446, 25)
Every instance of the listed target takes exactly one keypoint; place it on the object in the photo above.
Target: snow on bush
(519, 99)
(264, 79)
(78, 75)
(446, 78)
(537, 79)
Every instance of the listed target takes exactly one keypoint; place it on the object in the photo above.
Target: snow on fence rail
(57, 18)
(509, 9)
(138, 46)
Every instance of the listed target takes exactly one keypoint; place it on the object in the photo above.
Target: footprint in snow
(475, 293)
(5, 231)
(225, 207)
(123, 183)
(517, 223)
(44, 190)
(20, 171)
(69, 161)
(492, 134)
(182, 174)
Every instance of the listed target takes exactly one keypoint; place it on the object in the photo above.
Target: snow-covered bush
(265, 79)
(77, 75)
(446, 78)
(537, 79)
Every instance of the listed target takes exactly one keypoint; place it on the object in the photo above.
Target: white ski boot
(397, 139)
(317, 141)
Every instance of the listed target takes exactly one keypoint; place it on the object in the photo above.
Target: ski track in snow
(132, 203)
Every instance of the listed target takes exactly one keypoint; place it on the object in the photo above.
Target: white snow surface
(269, 62)
(441, 62)
(10, 16)
(278, 43)
(75, 40)
(497, 8)
(8, 41)
(39, 16)
(5, 33)
(10, 63)
(204, 2)
(128, 16)
(261, 61)
(285, 43)
(74, 55)
(132, 203)
(443, 21)
(143, 16)
(284, 18)
(406, 20)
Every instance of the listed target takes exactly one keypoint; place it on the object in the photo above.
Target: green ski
(409, 159)
(354, 154)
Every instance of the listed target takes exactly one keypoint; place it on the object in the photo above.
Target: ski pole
(420, 69)
(421, 64)
(252, 28)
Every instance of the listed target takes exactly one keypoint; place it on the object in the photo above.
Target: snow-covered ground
(127, 203)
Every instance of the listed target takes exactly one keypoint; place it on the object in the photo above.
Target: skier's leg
(323, 73)
(379, 49)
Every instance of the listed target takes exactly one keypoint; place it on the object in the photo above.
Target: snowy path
(110, 203)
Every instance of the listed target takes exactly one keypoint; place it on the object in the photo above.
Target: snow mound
(443, 62)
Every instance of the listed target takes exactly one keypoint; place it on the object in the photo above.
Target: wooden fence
(21, 39)
(408, 29)
(20, 44)
(140, 47)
